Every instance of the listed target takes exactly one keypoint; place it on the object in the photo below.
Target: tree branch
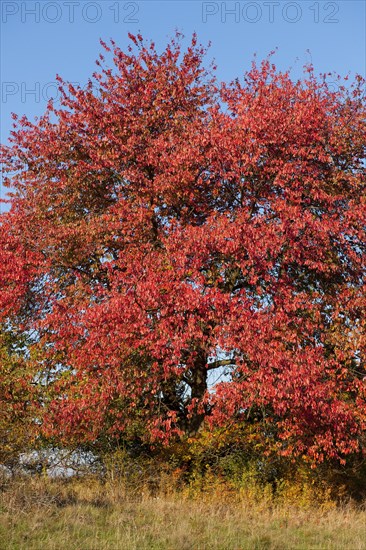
(220, 363)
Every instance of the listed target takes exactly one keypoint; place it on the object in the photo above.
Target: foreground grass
(88, 515)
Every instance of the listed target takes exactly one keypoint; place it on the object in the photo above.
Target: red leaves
(18, 267)
(152, 229)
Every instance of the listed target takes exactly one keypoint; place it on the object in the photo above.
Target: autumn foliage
(186, 254)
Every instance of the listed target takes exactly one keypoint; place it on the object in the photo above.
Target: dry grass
(40, 514)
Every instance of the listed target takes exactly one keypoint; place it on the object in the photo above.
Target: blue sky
(42, 38)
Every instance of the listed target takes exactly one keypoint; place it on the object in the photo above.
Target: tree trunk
(198, 383)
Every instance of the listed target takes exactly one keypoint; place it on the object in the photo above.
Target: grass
(41, 514)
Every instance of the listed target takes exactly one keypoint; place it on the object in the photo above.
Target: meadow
(92, 514)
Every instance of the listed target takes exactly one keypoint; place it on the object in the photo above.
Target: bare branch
(221, 363)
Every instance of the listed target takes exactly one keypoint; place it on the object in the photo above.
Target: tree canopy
(164, 227)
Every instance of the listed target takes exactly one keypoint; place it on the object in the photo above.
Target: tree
(163, 227)
(17, 397)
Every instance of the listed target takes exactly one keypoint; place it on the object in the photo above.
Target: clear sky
(42, 38)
